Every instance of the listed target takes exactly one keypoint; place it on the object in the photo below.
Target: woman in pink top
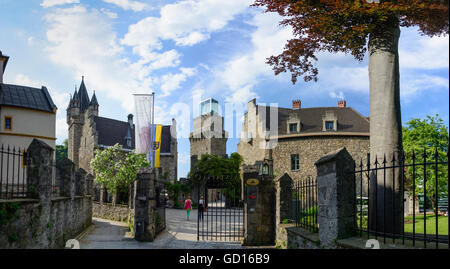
(188, 206)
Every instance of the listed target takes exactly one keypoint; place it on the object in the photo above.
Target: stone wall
(45, 220)
(310, 149)
(111, 212)
(168, 163)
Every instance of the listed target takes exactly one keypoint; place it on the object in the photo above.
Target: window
(295, 162)
(293, 127)
(329, 125)
(8, 123)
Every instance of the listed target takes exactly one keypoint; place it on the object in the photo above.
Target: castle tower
(78, 104)
(208, 136)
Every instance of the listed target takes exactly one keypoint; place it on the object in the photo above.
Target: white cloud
(185, 22)
(109, 13)
(422, 52)
(339, 95)
(83, 41)
(243, 72)
(51, 3)
(128, 4)
(413, 84)
(171, 82)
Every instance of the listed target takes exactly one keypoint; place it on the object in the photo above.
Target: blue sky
(189, 50)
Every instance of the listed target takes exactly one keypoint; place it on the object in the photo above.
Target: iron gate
(222, 217)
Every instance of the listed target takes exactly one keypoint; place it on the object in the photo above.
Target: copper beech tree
(356, 27)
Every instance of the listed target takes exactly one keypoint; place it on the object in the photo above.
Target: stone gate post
(259, 208)
(336, 196)
(144, 205)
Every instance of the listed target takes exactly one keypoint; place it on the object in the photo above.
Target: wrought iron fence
(403, 198)
(305, 207)
(13, 173)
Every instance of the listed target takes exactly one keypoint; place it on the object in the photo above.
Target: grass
(419, 224)
(431, 224)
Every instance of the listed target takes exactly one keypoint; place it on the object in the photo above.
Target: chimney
(296, 104)
(130, 120)
(342, 103)
(3, 61)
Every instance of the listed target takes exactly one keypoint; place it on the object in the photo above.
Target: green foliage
(13, 238)
(116, 169)
(8, 212)
(175, 189)
(220, 167)
(285, 221)
(216, 166)
(61, 151)
(429, 134)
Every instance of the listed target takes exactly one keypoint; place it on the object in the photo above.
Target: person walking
(201, 203)
(188, 206)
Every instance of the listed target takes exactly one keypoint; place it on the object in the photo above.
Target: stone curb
(83, 233)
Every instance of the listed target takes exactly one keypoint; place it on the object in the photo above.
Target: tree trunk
(385, 199)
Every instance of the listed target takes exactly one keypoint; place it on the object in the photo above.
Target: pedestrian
(201, 203)
(188, 206)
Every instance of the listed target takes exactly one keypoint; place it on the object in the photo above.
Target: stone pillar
(90, 184)
(67, 178)
(284, 198)
(336, 196)
(103, 194)
(39, 183)
(80, 182)
(144, 206)
(40, 170)
(259, 208)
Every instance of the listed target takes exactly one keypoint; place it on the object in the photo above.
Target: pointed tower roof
(94, 100)
(83, 96)
(75, 95)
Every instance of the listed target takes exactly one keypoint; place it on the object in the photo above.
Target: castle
(88, 132)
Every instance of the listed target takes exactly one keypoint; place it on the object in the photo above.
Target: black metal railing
(13, 174)
(403, 198)
(305, 207)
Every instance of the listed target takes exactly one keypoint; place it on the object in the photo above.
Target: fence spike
(384, 159)
(376, 160)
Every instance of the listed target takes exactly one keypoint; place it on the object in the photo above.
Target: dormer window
(329, 125)
(329, 121)
(293, 127)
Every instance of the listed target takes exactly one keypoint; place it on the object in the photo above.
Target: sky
(186, 51)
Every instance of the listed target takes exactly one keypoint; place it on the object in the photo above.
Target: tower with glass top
(208, 135)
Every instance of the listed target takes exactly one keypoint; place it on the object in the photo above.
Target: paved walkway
(179, 234)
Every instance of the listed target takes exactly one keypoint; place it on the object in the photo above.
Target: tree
(174, 190)
(226, 169)
(355, 27)
(61, 151)
(431, 135)
(116, 169)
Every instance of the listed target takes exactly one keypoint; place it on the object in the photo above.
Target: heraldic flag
(157, 144)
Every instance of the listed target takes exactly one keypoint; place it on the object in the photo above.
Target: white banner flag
(144, 104)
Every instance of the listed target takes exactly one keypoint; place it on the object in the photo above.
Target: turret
(93, 105)
(73, 110)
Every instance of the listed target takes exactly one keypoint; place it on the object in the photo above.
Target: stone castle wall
(310, 149)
